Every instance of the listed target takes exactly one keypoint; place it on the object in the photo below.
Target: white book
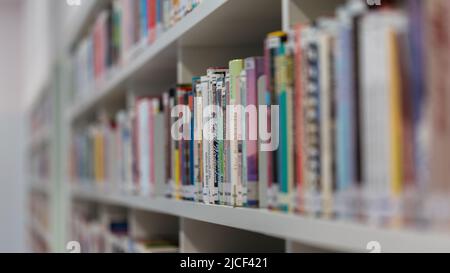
(206, 143)
(376, 101)
(143, 119)
(327, 92)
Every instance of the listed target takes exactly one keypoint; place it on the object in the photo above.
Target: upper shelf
(78, 25)
(214, 23)
(329, 234)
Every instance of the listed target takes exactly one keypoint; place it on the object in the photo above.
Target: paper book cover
(159, 18)
(254, 67)
(136, 23)
(198, 137)
(235, 69)
(220, 97)
(215, 79)
(152, 20)
(193, 148)
(396, 125)
(312, 108)
(227, 159)
(280, 91)
(326, 120)
(273, 41)
(298, 118)
(144, 109)
(263, 163)
(144, 17)
(190, 150)
(243, 140)
(223, 142)
(206, 169)
(172, 155)
(345, 137)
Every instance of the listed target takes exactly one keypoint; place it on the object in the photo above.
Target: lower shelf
(335, 235)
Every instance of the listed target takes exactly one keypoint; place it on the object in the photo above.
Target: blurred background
(30, 31)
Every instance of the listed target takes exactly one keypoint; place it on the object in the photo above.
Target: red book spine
(97, 61)
(151, 4)
(298, 122)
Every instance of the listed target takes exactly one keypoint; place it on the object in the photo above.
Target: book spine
(144, 17)
(326, 120)
(254, 68)
(227, 144)
(205, 143)
(190, 142)
(243, 139)
(235, 68)
(198, 129)
(143, 138)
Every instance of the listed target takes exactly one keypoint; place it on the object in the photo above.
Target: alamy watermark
(241, 122)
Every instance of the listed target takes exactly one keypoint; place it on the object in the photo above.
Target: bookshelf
(44, 167)
(40, 178)
(201, 39)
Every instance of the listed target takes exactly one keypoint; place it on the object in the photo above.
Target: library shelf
(156, 64)
(39, 138)
(79, 23)
(328, 234)
(39, 186)
(43, 233)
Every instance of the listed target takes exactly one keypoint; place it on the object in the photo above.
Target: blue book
(345, 110)
(143, 9)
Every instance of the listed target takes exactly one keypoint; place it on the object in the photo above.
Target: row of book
(361, 127)
(41, 114)
(112, 235)
(39, 222)
(121, 30)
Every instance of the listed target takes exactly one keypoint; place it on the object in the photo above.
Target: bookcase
(43, 168)
(212, 34)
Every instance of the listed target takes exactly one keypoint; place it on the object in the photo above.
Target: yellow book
(396, 115)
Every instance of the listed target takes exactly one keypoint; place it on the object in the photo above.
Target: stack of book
(120, 31)
(340, 119)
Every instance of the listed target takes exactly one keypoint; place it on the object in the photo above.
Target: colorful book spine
(235, 67)
(205, 142)
(144, 17)
(273, 42)
(198, 137)
(255, 70)
(243, 138)
(152, 20)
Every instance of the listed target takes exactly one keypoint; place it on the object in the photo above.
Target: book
(254, 68)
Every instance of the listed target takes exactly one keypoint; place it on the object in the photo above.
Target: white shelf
(223, 23)
(40, 187)
(40, 137)
(329, 234)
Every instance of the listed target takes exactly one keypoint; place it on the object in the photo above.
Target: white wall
(12, 190)
(38, 49)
